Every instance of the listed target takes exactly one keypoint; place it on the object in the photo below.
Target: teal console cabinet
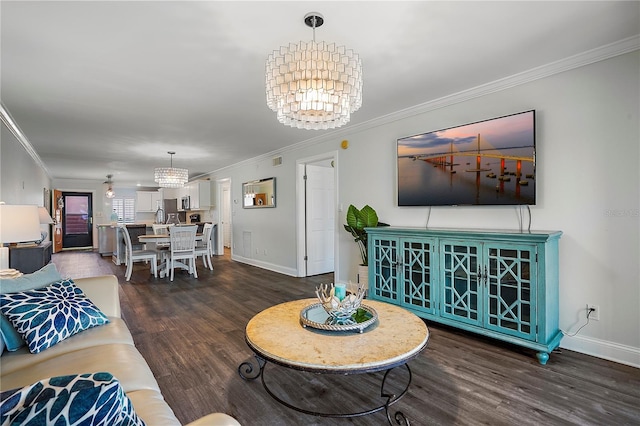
(501, 284)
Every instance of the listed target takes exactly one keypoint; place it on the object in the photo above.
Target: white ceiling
(110, 87)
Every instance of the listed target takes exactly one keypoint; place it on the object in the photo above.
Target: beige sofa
(106, 348)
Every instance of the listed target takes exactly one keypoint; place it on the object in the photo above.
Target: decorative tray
(315, 316)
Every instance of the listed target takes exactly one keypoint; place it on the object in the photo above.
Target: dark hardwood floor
(191, 333)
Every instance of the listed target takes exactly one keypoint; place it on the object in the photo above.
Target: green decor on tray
(361, 315)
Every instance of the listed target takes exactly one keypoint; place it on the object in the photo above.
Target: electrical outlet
(595, 312)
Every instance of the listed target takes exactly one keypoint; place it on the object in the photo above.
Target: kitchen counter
(106, 239)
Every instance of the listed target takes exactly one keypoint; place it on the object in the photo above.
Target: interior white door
(320, 219)
(226, 215)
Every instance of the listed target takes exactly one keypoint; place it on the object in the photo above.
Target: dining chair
(134, 232)
(162, 248)
(161, 228)
(203, 248)
(183, 247)
(138, 255)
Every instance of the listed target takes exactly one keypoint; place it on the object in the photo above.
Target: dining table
(163, 268)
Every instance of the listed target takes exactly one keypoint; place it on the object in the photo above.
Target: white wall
(587, 186)
(22, 180)
(270, 229)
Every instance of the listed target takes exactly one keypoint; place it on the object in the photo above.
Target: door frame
(56, 234)
(301, 232)
(220, 184)
(94, 228)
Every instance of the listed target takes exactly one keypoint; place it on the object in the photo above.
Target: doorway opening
(316, 179)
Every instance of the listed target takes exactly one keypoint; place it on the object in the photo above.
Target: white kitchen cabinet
(200, 194)
(156, 200)
(147, 201)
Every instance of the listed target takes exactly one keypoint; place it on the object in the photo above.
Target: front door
(77, 220)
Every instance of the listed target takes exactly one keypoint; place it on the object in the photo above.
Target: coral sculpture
(340, 311)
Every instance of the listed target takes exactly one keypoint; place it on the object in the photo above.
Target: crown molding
(13, 127)
(598, 54)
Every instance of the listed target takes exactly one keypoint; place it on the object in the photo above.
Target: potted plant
(357, 220)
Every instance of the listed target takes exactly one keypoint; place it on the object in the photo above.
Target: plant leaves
(352, 217)
(368, 217)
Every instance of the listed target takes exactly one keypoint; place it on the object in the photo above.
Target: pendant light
(109, 193)
(170, 177)
(314, 85)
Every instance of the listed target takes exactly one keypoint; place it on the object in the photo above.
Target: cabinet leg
(543, 357)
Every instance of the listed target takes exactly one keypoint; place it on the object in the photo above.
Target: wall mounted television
(490, 162)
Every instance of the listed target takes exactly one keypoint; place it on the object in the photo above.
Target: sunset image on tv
(489, 162)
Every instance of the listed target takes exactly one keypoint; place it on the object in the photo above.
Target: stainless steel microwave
(186, 203)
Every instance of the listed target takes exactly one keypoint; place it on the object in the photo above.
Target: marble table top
(277, 335)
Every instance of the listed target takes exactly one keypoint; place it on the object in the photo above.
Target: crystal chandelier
(109, 192)
(170, 177)
(314, 85)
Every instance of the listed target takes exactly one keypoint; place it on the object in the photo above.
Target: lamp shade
(19, 223)
(44, 216)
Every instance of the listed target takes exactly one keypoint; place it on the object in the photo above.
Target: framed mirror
(259, 194)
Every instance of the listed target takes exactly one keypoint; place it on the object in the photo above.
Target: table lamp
(18, 223)
(45, 219)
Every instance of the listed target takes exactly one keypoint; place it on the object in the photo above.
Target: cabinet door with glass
(418, 290)
(495, 283)
(461, 272)
(383, 269)
(511, 289)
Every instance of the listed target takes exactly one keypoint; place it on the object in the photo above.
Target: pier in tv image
(489, 162)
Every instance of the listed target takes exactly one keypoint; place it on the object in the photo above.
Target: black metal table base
(248, 371)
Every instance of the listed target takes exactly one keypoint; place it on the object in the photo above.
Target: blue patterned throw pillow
(48, 315)
(41, 278)
(81, 399)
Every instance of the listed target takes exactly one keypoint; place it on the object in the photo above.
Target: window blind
(125, 208)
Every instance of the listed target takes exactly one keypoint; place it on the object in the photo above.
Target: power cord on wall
(426, 226)
(522, 217)
(582, 326)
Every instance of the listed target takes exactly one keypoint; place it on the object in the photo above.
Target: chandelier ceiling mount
(313, 20)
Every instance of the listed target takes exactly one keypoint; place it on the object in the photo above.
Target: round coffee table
(276, 335)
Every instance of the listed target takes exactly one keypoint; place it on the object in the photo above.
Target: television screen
(490, 162)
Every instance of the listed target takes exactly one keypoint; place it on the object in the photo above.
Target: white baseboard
(616, 352)
(266, 265)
